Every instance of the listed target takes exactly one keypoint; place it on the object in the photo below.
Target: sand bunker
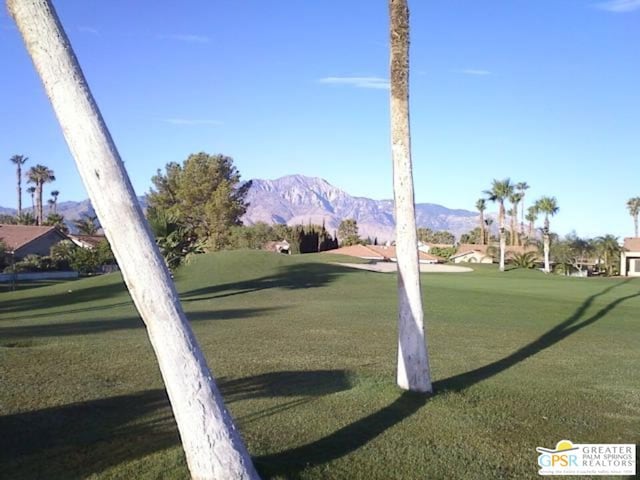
(386, 267)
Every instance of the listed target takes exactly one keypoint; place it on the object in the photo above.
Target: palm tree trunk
(413, 364)
(212, 444)
(503, 242)
(481, 227)
(39, 202)
(19, 187)
(547, 267)
(635, 224)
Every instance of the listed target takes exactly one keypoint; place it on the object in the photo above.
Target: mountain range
(297, 199)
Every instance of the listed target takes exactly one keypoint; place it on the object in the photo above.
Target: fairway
(304, 352)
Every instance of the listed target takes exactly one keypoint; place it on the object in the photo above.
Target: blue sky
(544, 91)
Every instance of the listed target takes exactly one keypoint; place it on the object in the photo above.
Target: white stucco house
(630, 258)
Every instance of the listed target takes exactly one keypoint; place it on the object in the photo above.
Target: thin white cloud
(189, 121)
(619, 6)
(187, 37)
(91, 30)
(358, 82)
(475, 71)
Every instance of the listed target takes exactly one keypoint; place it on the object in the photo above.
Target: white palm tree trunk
(413, 363)
(503, 247)
(546, 242)
(213, 447)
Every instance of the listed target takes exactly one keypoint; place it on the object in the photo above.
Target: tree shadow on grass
(359, 433)
(290, 277)
(78, 292)
(84, 438)
(90, 327)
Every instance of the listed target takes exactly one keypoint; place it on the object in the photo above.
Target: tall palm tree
(54, 197)
(18, 161)
(39, 175)
(481, 205)
(514, 198)
(32, 191)
(521, 188)
(500, 191)
(531, 217)
(633, 205)
(413, 363)
(548, 206)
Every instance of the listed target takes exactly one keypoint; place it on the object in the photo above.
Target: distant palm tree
(500, 191)
(39, 175)
(633, 205)
(522, 187)
(548, 206)
(31, 191)
(54, 195)
(531, 217)
(514, 198)
(481, 205)
(87, 225)
(18, 161)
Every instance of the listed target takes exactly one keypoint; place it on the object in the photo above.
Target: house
(630, 257)
(384, 253)
(23, 240)
(87, 241)
(426, 247)
(471, 253)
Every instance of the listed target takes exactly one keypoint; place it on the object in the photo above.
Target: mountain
(300, 200)
(297, 199)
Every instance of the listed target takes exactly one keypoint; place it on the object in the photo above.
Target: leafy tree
(426, 235)
(177, 242)
(443, 252)
(548, 206)
(472, 236)
(8, 219)
(348, 232)
(204, 193)
(500, 191)
(87, 225)
(39, 175)
(633, 205)
(608, 249)
(18, 161)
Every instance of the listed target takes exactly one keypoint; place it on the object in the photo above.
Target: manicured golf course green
(304, 352)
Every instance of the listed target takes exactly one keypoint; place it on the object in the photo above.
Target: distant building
(630, 258)
(23, 240)
(472, 253)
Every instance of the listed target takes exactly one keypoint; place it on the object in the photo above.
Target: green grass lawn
(304, 352)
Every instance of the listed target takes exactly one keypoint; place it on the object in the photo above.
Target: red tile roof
(90, 240)
(17, 236)
(632, 244)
